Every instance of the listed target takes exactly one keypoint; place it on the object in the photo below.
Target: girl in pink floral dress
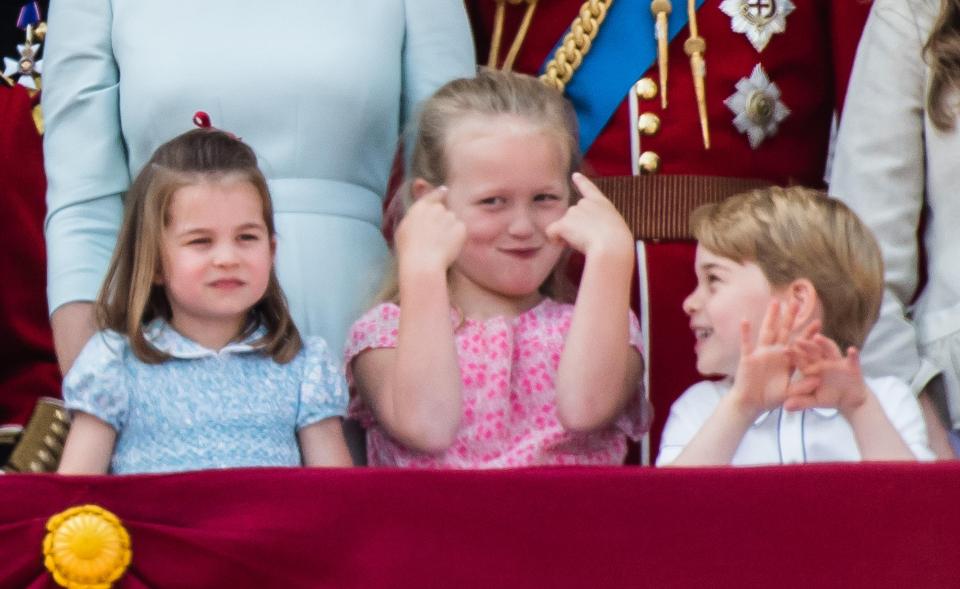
(474, 360)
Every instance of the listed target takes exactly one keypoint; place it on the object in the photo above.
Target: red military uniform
(28, 367)
(808, 62)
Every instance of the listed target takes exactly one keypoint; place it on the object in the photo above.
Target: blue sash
(623, 50)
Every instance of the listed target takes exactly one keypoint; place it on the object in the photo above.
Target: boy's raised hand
(840, 379)
(593, 225)
(430, 235)
(763, 379)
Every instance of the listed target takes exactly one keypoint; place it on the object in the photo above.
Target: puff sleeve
(323, 391)
(99, 383)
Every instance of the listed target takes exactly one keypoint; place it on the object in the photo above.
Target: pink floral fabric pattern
(508, 366)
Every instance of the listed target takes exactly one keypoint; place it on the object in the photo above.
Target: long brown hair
(129, 298)
(490, 93)
(942, 52)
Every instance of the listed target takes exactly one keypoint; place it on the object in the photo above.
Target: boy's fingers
(828, 347)
(811, 329)
(771, 322)
(787, 323)
(746, 343)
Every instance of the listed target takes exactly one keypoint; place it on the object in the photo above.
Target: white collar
(168, 340)
(825, 412)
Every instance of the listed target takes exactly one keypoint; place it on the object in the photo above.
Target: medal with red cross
(758, 19)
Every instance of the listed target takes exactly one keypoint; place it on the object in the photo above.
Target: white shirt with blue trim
(794, 437)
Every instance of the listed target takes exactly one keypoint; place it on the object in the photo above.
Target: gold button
(648, 162)
(646, 88)
(648, 123)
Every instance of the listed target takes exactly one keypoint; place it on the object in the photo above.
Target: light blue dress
(321, 91)
(203, 409)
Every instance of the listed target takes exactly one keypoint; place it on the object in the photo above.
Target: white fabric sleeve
(879, 172)
(904, 412)
(687, 416)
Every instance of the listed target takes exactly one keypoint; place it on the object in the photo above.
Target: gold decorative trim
(86, 547)
(576, 43)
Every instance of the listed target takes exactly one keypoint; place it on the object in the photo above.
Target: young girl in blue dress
(198, 363)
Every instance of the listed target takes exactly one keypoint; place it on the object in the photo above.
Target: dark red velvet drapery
(880, 525)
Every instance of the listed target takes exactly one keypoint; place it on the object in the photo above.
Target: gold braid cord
(576, 43)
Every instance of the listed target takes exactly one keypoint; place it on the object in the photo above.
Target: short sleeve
(323, 390)
(377, 328)
(638, 416)
(687, 416)
(903, 410)
(98, 382)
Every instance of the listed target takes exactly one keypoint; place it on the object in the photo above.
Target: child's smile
(513, 186)
(727, 293)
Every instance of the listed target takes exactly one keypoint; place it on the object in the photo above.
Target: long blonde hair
(490, 93)
(942, 52)
(793, 233)
(130, 299)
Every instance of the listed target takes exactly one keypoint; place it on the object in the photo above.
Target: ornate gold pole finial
(661, 10)
(695, 46)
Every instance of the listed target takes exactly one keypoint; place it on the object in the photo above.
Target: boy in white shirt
(786, 279)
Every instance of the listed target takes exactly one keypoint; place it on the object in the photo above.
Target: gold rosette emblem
(86, 547)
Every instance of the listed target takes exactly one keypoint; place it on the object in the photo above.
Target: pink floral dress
(509, 419)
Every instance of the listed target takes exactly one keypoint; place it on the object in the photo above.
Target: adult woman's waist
(325, 197)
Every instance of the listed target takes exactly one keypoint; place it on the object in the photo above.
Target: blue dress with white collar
(203, 409)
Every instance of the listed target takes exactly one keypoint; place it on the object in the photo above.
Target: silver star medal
(757, 107)
(758, 19)
(26, 67)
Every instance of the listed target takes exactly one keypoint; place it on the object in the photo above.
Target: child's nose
(522, 224)
(691, 303)
(225, 255)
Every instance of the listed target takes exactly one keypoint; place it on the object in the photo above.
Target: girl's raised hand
(430, 236)
(593, 225)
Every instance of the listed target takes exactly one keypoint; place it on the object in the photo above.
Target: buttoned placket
(790, 437)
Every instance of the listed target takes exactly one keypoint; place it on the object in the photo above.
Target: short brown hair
(129, 298)
(796, 232)
(489, 93)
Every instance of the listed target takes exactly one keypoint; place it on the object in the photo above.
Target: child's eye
(546, 198)
(249, 237)
(492, 201)
(199, 241)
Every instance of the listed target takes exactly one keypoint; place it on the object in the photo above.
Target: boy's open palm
(593, 224)
(763, 379)
(430, 235)
(841, 383)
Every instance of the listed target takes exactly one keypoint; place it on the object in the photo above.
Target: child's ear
(805, 295)
(420, 187)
